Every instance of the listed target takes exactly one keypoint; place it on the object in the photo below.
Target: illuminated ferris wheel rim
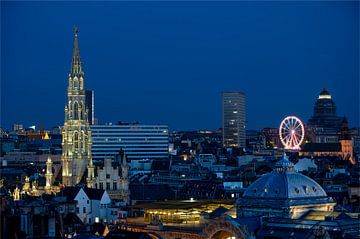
(291, 132)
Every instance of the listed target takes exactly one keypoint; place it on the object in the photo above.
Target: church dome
(284, 183)
(324, 94)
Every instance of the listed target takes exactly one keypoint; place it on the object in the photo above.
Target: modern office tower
(76, 134)
(234, 116)
(89, 102)
(324, 125)
(138, 141)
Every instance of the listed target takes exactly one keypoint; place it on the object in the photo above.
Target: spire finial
(76, 63)
(284, 164)
(75, 31)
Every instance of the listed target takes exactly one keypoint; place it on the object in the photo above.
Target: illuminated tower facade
(234, 116)
(49, 174)
(324, 125)
(76, 134)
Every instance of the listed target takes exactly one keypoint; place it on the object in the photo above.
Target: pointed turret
(49, 174)
(125, 191)
(124, 162)
(91, 175)
(76, 60)
(344, 130)
(16, 194)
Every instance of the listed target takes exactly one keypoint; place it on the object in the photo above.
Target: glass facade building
(234, 117)
(138, 141)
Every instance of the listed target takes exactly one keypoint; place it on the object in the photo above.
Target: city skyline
(196, 104)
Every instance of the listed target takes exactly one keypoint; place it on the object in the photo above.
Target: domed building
(283, 193)
(324, 125)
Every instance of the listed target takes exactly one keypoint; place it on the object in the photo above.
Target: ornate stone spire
(16, 194)
(76, 140)
(76, 69)
(91, 175)
(49, 174)
(125, 191)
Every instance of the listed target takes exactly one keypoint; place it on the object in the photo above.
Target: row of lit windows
(101, 186)
(132, 127)
(129, 139)
(127, 146)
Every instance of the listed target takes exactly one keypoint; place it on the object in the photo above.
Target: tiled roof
(70, 192)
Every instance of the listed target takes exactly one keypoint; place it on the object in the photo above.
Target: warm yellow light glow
(46, 136)
(324, 97)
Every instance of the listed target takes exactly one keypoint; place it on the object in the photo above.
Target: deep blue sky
(168, 62)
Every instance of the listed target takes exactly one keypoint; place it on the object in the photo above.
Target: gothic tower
(49, 174)
(125, 191)
(76, 134)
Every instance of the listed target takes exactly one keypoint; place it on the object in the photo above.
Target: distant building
(91, 203)
(205, 160)
(89, 102)
(355, 134)
(234, 117)
(324, 125)
(272, 138)
(283, 193)
(305, 164)
(342, 148)
(112, 176)
(255, 140)
(138, 141)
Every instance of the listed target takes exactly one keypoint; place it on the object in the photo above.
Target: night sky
(168, 62)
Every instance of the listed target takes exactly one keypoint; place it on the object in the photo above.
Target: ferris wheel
(291, 132)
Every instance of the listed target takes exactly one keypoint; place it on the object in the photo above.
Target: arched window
(76, 110)
(76, 140)
(81, 83)
(81, 111)
(76, 83)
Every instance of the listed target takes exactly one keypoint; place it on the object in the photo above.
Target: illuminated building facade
(343, 148)
(324, 125)
(233, 118)
(346, 141)
(112, 176)
(76, 134)
(182, 212)
(272, 138)
(138, 141)
(89, 101)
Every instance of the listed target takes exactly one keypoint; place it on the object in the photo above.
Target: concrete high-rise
(233, 118)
